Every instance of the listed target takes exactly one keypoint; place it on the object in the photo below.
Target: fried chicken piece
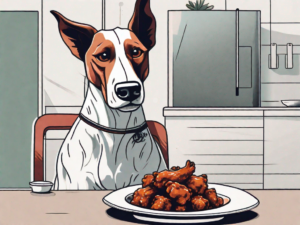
(161, 203)
(148, 180)
(197, 184)
(212, 197)
(174, 168)
(180, 208)
(199, 203)
(179, 192)
(220, 201)
(175, 176)
(143, 196)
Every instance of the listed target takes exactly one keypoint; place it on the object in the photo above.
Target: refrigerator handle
(237, 53)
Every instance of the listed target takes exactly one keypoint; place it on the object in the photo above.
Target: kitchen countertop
(86, 207)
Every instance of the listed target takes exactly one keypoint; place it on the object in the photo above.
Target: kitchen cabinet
(225, 145)
(250, 148)
(282, 151)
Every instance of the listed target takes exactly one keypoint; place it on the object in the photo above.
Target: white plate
(291, 103)
(240, 201)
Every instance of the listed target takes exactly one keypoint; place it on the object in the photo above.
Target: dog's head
(116, 61)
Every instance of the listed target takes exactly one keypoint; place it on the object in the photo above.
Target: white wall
(63, 74)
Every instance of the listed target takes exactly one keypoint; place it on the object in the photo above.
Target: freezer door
(203, 60)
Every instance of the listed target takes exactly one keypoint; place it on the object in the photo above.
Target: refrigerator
(214, 58)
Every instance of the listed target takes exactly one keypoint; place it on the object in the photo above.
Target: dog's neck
(96, 109)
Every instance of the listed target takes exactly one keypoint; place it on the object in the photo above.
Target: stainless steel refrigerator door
(249, 56)
(203, 59)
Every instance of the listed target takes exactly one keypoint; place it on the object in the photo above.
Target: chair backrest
(42, 125)
(65, 122)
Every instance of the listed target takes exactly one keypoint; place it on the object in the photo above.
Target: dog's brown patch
(143, 23)
(98, 72)
(139, 65)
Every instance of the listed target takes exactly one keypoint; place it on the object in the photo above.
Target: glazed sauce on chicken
(178, 190)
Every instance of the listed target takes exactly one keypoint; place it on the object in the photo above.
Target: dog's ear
(78, 37)
(143, 23)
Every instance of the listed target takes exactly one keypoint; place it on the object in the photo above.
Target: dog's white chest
(93, 159)
(126, 162)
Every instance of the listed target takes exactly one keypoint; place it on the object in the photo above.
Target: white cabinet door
(228, 149)
(282, 152)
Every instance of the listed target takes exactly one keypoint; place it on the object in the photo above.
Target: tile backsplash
(285, 33)
(265, 34)
(285, 11)
(280, 75)
(280, 24)
(262, 5)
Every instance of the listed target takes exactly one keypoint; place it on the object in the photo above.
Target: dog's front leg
(72, 173)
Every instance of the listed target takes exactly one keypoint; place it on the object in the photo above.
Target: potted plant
(199, 5)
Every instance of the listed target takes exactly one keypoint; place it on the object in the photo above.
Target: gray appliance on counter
(214, 58)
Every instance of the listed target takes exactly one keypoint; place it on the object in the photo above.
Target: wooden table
(87, 208)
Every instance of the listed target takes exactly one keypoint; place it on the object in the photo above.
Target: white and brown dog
(110, 145)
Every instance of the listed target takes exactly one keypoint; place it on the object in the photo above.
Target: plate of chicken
(179, 196)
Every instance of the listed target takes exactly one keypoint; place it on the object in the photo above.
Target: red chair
(65, 122)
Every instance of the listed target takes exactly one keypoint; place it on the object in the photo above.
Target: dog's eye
(136, 52)
(104, 56)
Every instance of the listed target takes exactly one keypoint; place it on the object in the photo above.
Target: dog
(110, 145)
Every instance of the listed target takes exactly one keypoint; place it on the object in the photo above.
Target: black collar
(137, 129)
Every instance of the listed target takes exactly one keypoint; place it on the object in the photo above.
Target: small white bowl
(41, 186)
(291, 103)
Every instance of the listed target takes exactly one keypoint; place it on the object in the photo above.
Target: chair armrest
(159, 134)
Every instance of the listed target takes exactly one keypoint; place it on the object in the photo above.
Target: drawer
(236, 179)
(186, 122)
(229, 169)
(226, 159)
(247, 186)
(214, 134)
(220, 164)
(183, 146)
(285, 181)
(282, 143)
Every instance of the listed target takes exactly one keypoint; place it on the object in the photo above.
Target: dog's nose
(128, 91)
